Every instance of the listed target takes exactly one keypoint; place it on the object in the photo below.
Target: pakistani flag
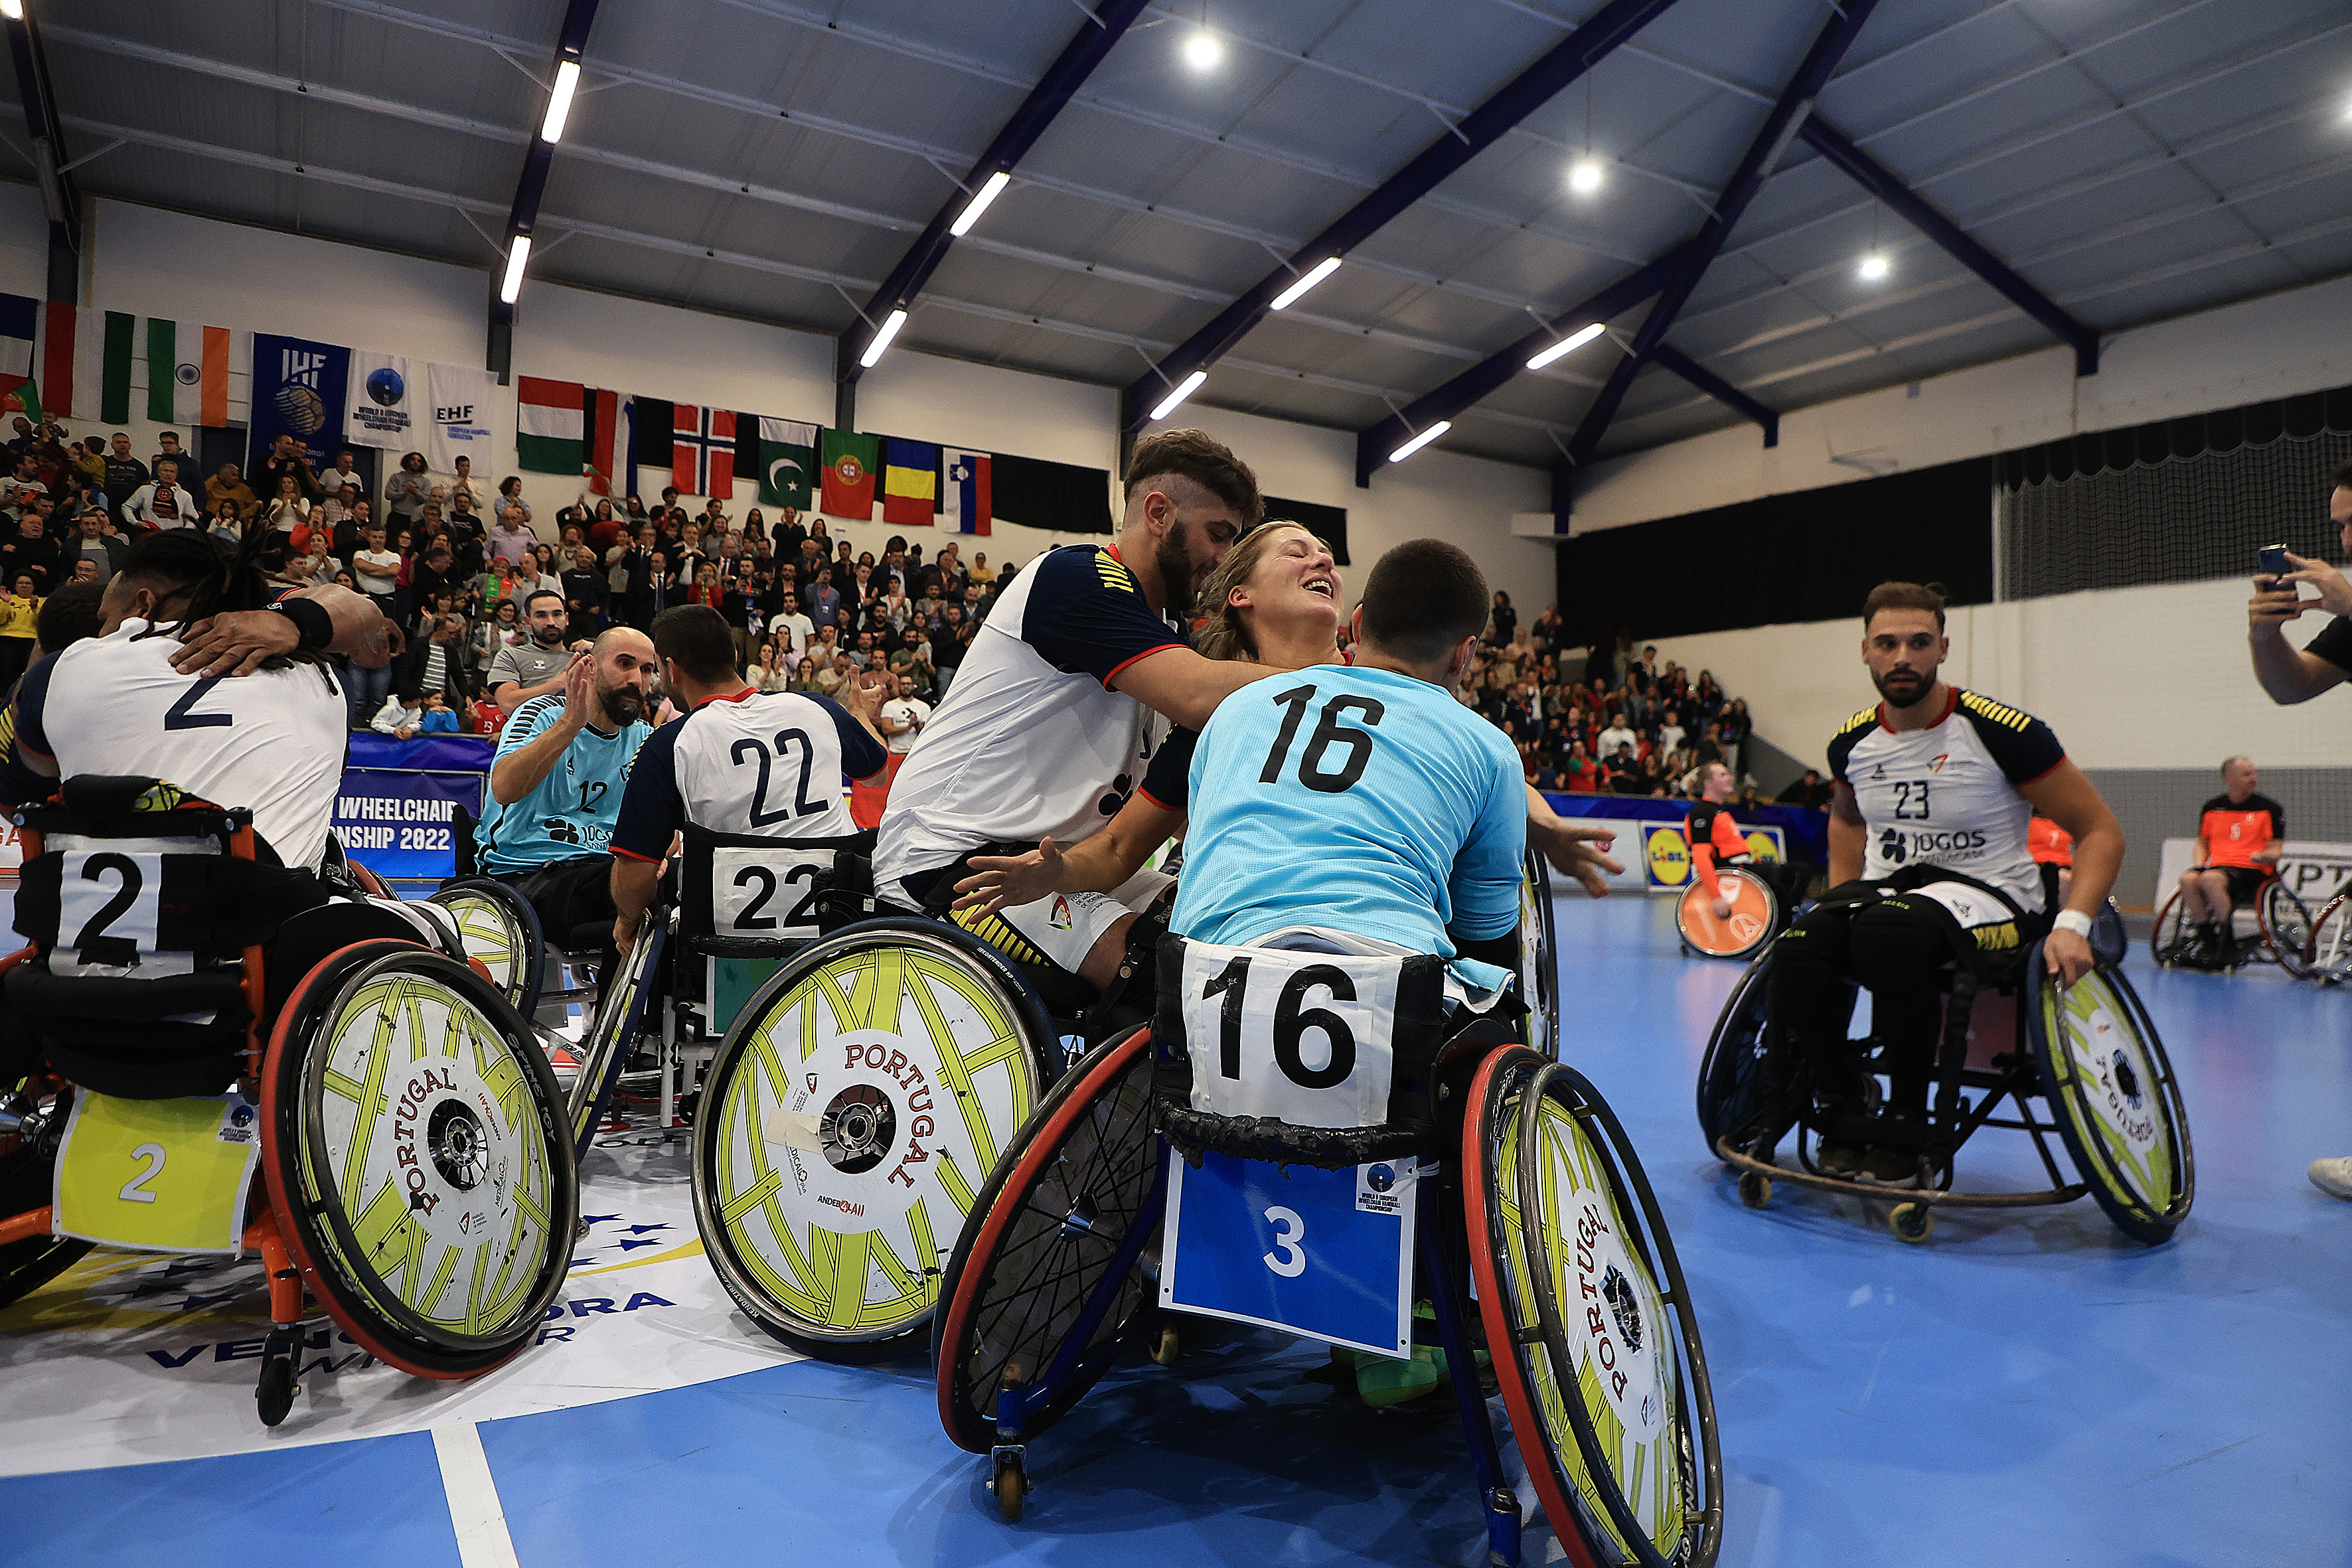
(787, 463)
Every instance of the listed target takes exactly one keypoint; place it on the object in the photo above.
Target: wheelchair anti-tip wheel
(500, 931)
(1539, 964)
(1755, 915)
(1077, 1197)
(1595, 1347)
(416, 1156)
(855, 1107)
(620, 1018)
(2117, 1107)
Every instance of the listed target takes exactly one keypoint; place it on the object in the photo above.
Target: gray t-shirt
(528, 666)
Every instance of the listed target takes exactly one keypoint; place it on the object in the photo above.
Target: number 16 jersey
(1947, 796)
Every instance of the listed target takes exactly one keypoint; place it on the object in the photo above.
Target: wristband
(2074, 920)
(314, 629)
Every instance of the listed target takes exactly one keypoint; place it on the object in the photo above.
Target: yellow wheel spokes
(2115, 1102)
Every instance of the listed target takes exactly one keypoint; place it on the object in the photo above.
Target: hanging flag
(702, 451)
(785, 462)
(967, 493)
(184, 369)
(849, 459)
(298, 388)
(600, 418)
(459, 397)
(68, 361)
(550, 425)
(20, 316)
(383, 400)
(910, 483)
(650, 443)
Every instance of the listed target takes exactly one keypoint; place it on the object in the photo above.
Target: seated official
(1717, 841)
(2239, 835)
(1928, 866)
(557, 780)
(743, 768)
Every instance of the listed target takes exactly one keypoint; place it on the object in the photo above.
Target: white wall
(2277, 346)
(151, 262)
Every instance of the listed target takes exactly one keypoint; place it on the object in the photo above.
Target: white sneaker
(2333, 1178)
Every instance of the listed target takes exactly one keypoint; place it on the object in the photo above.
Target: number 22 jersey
(1947, 796)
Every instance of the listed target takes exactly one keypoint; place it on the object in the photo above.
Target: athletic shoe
(1893, 1168)
(2333, 1178)
(1838, 1158)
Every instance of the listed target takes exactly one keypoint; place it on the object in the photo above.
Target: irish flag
(105, 365)
(564, 427)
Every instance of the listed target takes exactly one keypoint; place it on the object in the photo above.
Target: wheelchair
(2327, 950)
(2084, 1063)
(2277, 927)
(1206, 1164)
(212, 1053)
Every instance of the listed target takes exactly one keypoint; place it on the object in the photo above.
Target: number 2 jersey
(1947, 796)
(1355, 799)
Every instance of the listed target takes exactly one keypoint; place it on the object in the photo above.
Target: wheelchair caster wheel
(1012, 1485)
(273, 1395)
(1912, 1222)
(1166, 1346)
(1755, 1189)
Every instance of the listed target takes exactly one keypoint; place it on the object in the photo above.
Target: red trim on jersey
(728, 697)
(1156, 800)
(2044, 773)
(632, 854)
(1951, 706)
(1117, 670)
(1112, 551)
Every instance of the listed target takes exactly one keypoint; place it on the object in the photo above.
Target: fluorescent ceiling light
(993, 187)
(1574, 340)
(517, 252)
(1418, 442)
(559, 101)
(1185, 389)
(1320, 271)
(13, 9)
(1202, 50)
(1872, 268)
(890, 326)
(1584, 176)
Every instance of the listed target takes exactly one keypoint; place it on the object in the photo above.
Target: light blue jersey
(1360, 800)
(572, 812)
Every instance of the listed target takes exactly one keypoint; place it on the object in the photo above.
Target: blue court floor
(2028, 1389)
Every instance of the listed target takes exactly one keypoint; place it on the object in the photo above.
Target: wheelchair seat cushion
(135, 1039)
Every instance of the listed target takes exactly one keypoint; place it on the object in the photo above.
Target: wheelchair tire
(417, 1158)
(1755, 916)
(2327, 953)
(2166, 939)
(1022, 1272)
(2112, 1095)
(843, 1133)
(27, 1175)
(500, 932)
(1730, 1074)
(2287, 926)
(1610, 1402)
(620, 1019)
(1539, 957)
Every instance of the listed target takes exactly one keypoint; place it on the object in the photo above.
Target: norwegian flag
(702, 451)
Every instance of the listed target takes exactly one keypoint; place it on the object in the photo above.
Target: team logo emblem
(1379, 1178)
(850, 469)
(1060, 917)
(2126, 1082)
(1937, 765)
(384, 387)
(1891, 846)
(1618, 1292)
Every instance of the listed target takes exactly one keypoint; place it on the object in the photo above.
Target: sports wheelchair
(1760, 911)
(2327, 951)
(1207, 1163)
(2277, 927)
(190, 1010)
(2089, 1055)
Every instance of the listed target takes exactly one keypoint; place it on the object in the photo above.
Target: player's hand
(864, 693)
(579, 690)
(1002, 879)
(236, 643)
(624, 934)
(1722, 907)
(2334, 593)
(1577, 852)
(2067, 956)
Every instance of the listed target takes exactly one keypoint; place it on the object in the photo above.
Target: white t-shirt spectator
(1670, 736)
(161, 506)
(1614, 736)
(909, 711)
(802, 629)
(378, 571)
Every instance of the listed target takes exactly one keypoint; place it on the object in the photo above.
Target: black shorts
(2244, 882)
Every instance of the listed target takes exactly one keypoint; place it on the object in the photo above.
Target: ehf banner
(299, 390)
(461, 418)
(383, 400)
(402, 826)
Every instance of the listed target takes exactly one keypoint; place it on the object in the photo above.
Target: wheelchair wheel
(2287, 926)
(27, 1170)
(1595, 1347)
(857, 1104)
(1039, 1245)
(1731, 1073)
(1755, 916)
(500, 929)
(2327, 951)
(1539, 957)
(620, 1019)
(417, 1158)
(2117, 1106)
(2170, 937)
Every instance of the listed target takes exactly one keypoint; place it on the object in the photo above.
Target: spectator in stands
(1503, 622)
(171, 451)
(377, 571)
(1671, 732)
(287, 461)
(1812, 792)
(584, 588)
(804, 678)
(510, 498)
(33, 551)
(401, 714)
(1625, 774)
(1617, 736)
(163, 502)
(98, 547)
(435, 662)
(228, 484)
(124, 473)
(405, 492)
(20, 627)
(288, 507)
(511, 538)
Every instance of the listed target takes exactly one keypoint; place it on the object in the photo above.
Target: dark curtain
(1063, 496)
(1328, 524)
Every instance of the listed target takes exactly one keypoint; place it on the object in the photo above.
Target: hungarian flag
(910, 484)
(965, 495)
(781, 456)
(550, 426)
(69, 361)
(849, 460)
(702, 451)
(20, 316)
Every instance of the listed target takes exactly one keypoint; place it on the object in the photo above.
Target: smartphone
(2274, 560)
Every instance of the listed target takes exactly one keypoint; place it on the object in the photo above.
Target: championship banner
(383, 399)
(402, 826)
(299, 390)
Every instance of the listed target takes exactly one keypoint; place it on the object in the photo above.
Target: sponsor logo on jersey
(1891, 846)
(1060, 917)
(1895, 847)
(1937, 765)
(1669, 856)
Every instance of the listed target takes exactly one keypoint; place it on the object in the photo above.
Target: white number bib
(1306, 1038)
(109, 902)
(760, 892)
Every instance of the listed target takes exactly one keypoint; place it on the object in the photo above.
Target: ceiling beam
(1880, 182)
(52, 168)
(1522, 95)
(522, 217)
(1665, 356)
(1096, 36)
(1780, 128)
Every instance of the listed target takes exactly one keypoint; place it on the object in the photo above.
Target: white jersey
(757, 764)
(1947, 796)
(1031, 741)
(272, 742)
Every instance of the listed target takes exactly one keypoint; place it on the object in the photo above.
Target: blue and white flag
(298, 389)
(966, 481)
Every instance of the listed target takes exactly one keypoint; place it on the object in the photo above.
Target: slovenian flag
(966, 494)
(910, 483)
(20, 316)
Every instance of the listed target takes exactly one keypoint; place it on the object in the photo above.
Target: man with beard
(556, 784)
(1929, 861)
(539, 668)
(1064, 694)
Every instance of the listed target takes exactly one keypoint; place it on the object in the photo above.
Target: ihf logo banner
(383, 400)
(299, 390)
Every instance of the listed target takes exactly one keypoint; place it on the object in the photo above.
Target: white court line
(481, 1523)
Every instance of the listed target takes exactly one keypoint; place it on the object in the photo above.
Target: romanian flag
(910, 484)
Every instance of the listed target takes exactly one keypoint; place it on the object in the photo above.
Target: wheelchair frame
(2279, 942)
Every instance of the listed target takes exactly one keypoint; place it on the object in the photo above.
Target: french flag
(964, 495)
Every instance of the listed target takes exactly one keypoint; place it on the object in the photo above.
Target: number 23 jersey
(1947, 796)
